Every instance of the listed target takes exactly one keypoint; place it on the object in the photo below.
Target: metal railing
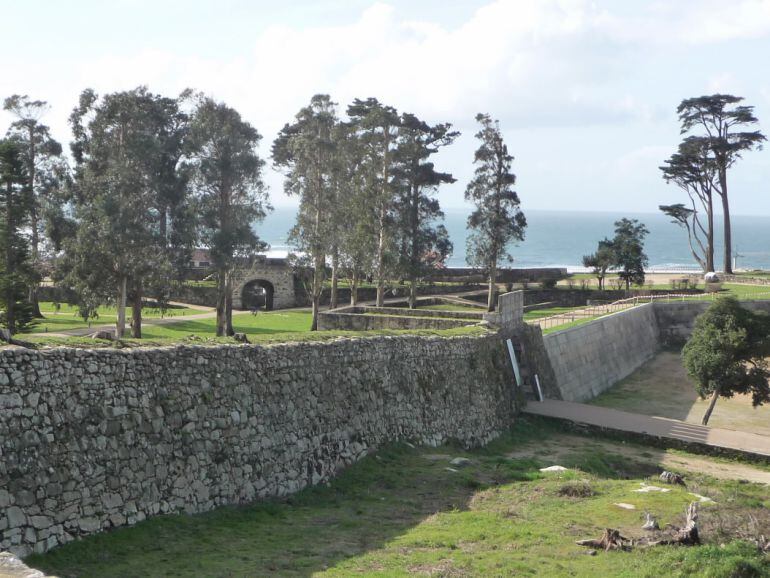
(596, 311)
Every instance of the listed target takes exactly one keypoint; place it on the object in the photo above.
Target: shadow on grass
(363, 509)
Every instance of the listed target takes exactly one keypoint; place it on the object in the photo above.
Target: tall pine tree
(497, 220)
(424, 244)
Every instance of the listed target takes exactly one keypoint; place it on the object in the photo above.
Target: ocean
(561, 238)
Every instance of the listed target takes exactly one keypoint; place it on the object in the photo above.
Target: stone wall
(96, 439)
(676, 319)
(592, 357)
(361, 318)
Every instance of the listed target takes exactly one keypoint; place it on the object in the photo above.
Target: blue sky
(586, 92)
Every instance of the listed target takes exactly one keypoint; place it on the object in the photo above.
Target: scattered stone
(460, 462)
(625, 506)
(645, 489)
(554, 469)
(454, 471)
(702, 499)
(12, 567)
(590, 552)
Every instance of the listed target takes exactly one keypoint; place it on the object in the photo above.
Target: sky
(585, 92)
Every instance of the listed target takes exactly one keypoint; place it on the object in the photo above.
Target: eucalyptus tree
(121, 176)
(46, 172)
(424, 244)
(377, 126)
(356, 218)
(497, 220)
(306, 151)
(719, 119)
(15, 208)
(693, 169)
(230, 195)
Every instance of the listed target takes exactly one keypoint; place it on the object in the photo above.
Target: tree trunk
(34, 224)
(317, 287)
(120, 323)
(728, 229)
(492, 288)
(380, 261)
(335, 279)
(710, 237)
(229, 330)
(412, 293)
(136, 313)
(221, 304)
(712, 403)
(354, 289)
(10, 302)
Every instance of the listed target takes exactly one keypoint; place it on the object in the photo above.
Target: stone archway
(275, 277)
(257, 294)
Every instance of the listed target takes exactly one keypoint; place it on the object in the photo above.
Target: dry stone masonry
(97, 439)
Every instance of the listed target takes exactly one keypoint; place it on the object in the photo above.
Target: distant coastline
(561, 238)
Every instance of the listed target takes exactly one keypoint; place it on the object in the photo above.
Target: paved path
(655, 426)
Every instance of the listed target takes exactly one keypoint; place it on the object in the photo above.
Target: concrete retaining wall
(590, 358)
(96, 439)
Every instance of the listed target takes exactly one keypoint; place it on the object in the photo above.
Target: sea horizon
(560, 238)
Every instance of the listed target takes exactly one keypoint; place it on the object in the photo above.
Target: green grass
(401, 512)
(203, 334)
(66, 316)
(540, 313)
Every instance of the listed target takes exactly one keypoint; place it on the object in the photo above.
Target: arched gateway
(267, 284)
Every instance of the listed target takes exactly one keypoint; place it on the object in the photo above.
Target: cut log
(672, 478)
(687, 535)
(650, 523)
(610, 540)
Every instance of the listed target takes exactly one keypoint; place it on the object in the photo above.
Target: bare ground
(558, 447)
(662, 388)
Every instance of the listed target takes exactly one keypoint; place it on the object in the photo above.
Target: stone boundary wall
(676, 320)
(360, 318)
(585, 360)
(592, 357)
(97, 439)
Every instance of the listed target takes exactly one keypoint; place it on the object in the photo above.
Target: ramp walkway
(656, 427)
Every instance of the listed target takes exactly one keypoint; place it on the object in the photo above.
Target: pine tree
(15, 207)
(230, 194)
(497, 220)
(377, 128)
(424, 244)
(46, 171)
(307, 152)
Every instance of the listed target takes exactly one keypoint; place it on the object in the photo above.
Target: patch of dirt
(560, 446)
(661, 387)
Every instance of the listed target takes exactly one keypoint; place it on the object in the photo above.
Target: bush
(548, 283)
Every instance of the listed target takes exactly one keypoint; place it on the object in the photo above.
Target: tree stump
(610, 540)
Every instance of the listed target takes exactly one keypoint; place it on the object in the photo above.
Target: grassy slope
(401, 512)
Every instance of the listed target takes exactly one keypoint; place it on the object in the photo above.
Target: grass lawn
(265, 328)
(403, 512)
(66, 317)
(661, 387)
(539, 313)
